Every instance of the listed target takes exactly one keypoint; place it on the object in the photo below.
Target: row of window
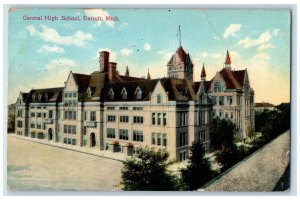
(137, 135)
(125, 119)
(92, 116)
(70, 141)
(70, 129)
(38, 107)
(221, 100)
(70, 115)
(38, 125)
(159, 139)
(125, 108)
(221, 114)
(70, 103)
(38, 114)
(70, 94)
(159, 119)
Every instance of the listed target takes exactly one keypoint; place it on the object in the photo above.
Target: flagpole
(179, 36)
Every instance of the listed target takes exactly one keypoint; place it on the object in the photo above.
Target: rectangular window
(153, 118)
(138, 119)
(74, 94)
(74, 129)
(110, 108)
(158, 138)
(50, 114)
(123, 108)
(202, 118)
(111, 133)
(137, 108)
(19, 113)
(84, 130)
(69, 141)
(32, 114)
(66, 115)
(214, 99)
(123, 134)
(124, 119)
(164, 119)
(39, 114)
(65, 141)
(182, 139)
(158, 118)
(93, 116)
(69, 129)
(165, 140)
(111, 118)
(65, 129)
(85, 115)
(32, 125)
(70, 115)
(182, 156)
(138, 136)
(74, 115)
(230, 100)
(183, 119)
(44, 126)
(221, 100)
(153, 138)
(39, 126)
(73, 141)
(202, 136)
(231, 115)
(158, 98)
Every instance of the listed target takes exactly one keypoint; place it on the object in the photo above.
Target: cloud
(204, 54)
(126, 51)
(51, 35)
(60, 63)
(231, 30)
(166, 55)
(265, 46)
(262, 39)
(54, 49)
(217, 55)
(147, 46)
(261, 56)
(102, 13)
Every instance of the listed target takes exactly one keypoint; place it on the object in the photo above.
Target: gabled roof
(177, 89)
(83, 81)
(233, 80)
(197, 85)
(239, 76)
(183, 56)
(53, 94)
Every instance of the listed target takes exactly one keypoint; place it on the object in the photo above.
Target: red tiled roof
(239, 76)
(227, 59)
(230, 79)
(181, 53)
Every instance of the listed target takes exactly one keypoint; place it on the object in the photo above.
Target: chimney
(112, 71)
(104, 59)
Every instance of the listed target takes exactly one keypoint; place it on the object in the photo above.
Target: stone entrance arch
(92, 140)
(50, 134)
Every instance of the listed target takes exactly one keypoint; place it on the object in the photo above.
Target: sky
(43, 52)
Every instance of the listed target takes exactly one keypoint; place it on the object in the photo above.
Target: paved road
(260, 172)
(33, 166)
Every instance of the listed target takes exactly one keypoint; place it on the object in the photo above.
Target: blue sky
(42, 53)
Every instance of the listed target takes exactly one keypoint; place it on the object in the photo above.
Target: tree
(198, 170)
(228, 156)
(222, 133)
(147, 172)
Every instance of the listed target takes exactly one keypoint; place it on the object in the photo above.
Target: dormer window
(40, 97)
(159, 98)
(33, 97)
(111, 94)
(46, 97)
(218, 87)
(124, 93)
(138, 93)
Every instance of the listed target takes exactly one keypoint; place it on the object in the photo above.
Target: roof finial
(148, 75)
(227, 59)
(127, 71)
(203, 73)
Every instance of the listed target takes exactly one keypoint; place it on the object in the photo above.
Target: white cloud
(54, 49)
(204, 54)
(261, 56)
(51, 35)
(126, 51)
(217, 55)
(262, 39)
(99, 12)
(265, 46)
(147, 46)
(166, 55)
(231, 30)
(60, 63)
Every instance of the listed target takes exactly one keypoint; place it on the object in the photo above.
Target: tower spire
(227, 60)
(148, 75)
(127, 71)
(203, 73)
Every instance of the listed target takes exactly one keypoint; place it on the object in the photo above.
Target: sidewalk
(260, 172)
(87, 150)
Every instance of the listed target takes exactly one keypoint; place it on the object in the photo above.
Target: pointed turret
(203, 73)
(227, 60)
(148, 75)
(127, 71)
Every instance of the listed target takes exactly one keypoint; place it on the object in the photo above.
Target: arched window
(124, 93)
(218, 87)
(138, 93)
(40, 97)
(111, 94)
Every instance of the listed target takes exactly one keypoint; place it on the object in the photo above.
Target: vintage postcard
(149, 99)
